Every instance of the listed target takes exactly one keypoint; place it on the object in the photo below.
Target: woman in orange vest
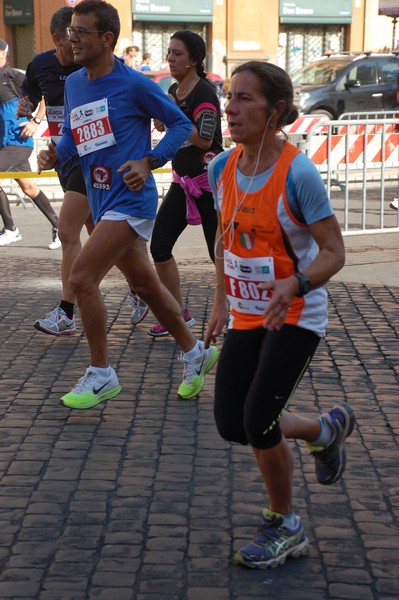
(278, 243)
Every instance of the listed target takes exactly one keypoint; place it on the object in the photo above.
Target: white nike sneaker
(195, 371)
(92, 389)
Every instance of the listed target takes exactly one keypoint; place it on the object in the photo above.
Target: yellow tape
(26, 174)
(45, 174)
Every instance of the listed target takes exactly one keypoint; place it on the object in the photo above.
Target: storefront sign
(314, 11)
(18, 12)
(390, 8)
(173, 10)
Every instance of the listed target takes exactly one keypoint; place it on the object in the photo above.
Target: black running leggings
(171, 222)
(257, 373)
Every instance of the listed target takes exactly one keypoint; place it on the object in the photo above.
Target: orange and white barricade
(354, 145)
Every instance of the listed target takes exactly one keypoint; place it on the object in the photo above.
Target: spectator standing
(16, 145)
(278, 243)
(108, 111)
(189, 199)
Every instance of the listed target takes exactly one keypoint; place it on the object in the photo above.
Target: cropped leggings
(171, 222)
(257, 373)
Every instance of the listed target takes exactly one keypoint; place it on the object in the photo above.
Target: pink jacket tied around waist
(193, 188)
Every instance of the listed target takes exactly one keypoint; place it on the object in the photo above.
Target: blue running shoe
(330, 461)
(273, 543)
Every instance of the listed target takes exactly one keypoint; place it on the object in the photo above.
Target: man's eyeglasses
(80, 31)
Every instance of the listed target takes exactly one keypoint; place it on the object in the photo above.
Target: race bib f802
(242, 276)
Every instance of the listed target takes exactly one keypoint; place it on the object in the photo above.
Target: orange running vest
(264, 241)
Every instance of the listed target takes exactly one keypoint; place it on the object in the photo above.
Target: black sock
(67, 307)
(43, 204)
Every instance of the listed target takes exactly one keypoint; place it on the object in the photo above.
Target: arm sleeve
(205, 99)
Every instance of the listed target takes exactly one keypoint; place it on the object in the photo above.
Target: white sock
(102, 371)
(195, 352)
(326, 434)
(290, 520)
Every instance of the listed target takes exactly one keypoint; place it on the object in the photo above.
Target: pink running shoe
(159, 330)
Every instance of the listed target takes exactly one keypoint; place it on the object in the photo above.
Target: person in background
(146, 62)
(16, 146)
(278, 243)
(189, 199)
(130, 57)
(45, 77)
(108, 112)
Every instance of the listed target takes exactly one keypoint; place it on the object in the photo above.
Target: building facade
(290, 33)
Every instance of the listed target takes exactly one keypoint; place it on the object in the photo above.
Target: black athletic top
(45, 77)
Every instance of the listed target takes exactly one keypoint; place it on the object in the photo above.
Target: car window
(364, 73)
(319, 73)
(388, 72)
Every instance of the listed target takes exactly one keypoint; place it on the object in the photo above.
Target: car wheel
(323, 112)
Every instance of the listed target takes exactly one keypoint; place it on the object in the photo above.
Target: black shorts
(257, 373)
(73, 182)
(15, 158)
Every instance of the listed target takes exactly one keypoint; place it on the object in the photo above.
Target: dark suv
(347, 83)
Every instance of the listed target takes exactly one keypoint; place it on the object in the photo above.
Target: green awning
(200, 11)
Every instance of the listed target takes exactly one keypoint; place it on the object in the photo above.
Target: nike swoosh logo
(98, 390)
(198, 371)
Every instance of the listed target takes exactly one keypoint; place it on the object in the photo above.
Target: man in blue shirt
(108, 109)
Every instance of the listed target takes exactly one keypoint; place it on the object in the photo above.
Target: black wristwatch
(155, 163)
(304, 284)
(36, 120)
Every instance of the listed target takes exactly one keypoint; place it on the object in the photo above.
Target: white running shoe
(140, 309)
(395, 203)
(56, 243)
(92, 389)
(56, 323)
(8, 237)
(195, 371)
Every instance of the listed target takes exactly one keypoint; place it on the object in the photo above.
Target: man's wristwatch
(304, 284)
(154, 161)
(36, 120)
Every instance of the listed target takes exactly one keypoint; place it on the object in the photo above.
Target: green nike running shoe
(195, 371)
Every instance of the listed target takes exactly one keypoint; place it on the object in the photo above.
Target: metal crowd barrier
(361, 156)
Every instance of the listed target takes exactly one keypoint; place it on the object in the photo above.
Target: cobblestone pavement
(140, 499)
